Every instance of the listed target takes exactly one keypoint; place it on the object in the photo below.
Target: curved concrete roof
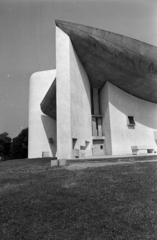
(127, 63)
(48, 104)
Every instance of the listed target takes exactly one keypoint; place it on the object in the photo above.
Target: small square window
(131, 120)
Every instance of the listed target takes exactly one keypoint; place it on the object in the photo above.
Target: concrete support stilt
(95, 101)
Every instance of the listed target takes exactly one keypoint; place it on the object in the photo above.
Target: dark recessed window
(50, 140)
(131, 120)
(101, 147)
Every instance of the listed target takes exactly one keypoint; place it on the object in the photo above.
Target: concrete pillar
(94, 127)
(96, 101)
(106, 122)
(99, 126)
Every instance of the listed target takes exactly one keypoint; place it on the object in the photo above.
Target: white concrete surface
(104, 110)
(64, 139)
(54, 163)
(41, 127)
(81, 122)
(74, 111)
(62, 162)
(123, 137)
(73, 100)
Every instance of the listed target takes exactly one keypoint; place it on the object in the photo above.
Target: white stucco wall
(64, 140)
(81, 128)
(73, 98)
(41, 127)
(121, 105)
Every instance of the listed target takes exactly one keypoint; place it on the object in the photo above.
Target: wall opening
(76, 152)
(130, 121)
(74, 140)
(84, 147)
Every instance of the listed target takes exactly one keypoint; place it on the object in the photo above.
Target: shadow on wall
(50, 130)
(155, 136)
(82, 71)
(143, 111)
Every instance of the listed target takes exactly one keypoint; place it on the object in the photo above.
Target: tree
(20, 145)
(5, 145)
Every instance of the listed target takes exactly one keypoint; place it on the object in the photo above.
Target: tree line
(15, 148)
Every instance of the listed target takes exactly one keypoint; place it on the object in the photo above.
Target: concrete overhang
(48, 104)
(129, 64)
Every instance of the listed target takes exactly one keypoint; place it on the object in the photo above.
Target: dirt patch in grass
(84, 165)
(81, 166)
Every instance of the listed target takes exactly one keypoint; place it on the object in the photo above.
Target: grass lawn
(110, 202)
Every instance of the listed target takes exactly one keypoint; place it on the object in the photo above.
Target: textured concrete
(41, 127)
(125, 62)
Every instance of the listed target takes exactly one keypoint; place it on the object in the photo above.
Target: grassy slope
(111, 202)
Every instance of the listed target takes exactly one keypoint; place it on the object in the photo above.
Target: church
(100, 100)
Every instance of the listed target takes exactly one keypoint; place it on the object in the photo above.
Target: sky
(27, 41)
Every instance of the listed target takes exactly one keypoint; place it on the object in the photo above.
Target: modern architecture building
(100, 100)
